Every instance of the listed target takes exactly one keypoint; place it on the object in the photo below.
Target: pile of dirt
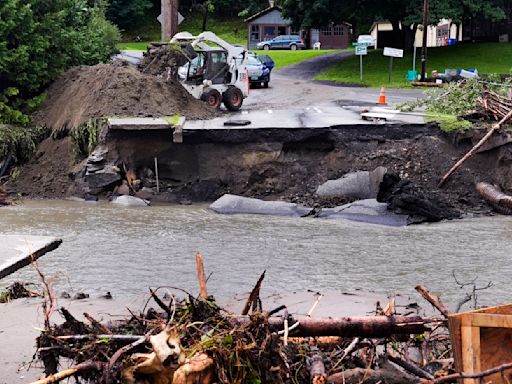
(47, 174)
(107, 90)
(162, 60)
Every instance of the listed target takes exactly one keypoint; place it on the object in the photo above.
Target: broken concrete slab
(232, 204)
(18, 251)
(359, 185)
(138, 123)
(367, 211)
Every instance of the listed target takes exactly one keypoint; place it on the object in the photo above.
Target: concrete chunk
(232, 204)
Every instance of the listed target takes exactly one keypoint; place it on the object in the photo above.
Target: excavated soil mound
(107, 90)
(159, 60)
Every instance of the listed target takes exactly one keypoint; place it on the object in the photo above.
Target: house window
(326, 31)
(255, 32)
(269, 31)
(442, 32)
(338, 30)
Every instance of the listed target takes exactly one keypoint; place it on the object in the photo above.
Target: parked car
(258, 72)
(366, 39)
(292, 42)
(266, 60)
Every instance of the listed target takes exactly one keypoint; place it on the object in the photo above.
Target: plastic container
(471, 74)
(452, 41)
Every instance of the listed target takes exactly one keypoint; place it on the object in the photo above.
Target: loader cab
(208, 65)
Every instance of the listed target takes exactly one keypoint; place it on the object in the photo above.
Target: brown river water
(126, 250)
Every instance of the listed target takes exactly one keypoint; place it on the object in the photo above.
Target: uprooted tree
(39, 40)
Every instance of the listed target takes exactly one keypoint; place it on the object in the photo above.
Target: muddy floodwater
(125, 250)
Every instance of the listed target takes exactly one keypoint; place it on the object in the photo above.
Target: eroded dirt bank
(275, 163)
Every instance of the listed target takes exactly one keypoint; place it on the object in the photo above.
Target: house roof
(264, 12)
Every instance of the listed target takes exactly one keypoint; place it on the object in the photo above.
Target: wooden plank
(454, 325)
(491, 320)
(470, 337)
(494, 351)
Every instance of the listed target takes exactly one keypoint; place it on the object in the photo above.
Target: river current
(126, 250)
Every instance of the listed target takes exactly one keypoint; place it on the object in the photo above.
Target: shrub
(40, 39)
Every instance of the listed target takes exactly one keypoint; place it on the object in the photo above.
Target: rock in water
(231, 204)
(404, 197)
(130, 201)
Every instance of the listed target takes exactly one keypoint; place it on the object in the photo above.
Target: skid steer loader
(215, 74)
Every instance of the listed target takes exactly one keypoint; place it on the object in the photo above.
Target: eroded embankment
(282, 163)
(291, 163)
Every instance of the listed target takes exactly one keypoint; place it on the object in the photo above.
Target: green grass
(282, 58)
(133, 46)
(486, 57)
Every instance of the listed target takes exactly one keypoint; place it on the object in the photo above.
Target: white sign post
(361, 50)
(392, 52)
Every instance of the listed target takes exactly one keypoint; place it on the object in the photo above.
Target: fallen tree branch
(475, 148)
(462, 375)
(255, 293)
(123, 350)
(432, 299)
(501, 202)
(317, 369)
(364, 326)
(201, 277)
(409, 367)
(86, 366)
(161, 304)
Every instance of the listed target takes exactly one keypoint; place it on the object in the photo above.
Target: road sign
(393, 52)
(360, 44)
(180, 18)
(361, 50)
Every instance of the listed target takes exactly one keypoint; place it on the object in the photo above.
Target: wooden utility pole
(424, 44)
(169, 12)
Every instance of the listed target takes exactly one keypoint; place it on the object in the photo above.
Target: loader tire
(233, 99)
(212, 98)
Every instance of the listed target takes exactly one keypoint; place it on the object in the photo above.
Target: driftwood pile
(493, 106)
(193, 340)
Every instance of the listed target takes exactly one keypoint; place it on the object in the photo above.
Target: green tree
(126, 13)
(39, 40)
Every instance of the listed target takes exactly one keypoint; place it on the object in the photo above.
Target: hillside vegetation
(233, 30)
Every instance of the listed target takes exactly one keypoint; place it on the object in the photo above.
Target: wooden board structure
(482, 339)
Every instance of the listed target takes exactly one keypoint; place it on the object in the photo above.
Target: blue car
(292, 42)
(259, 73)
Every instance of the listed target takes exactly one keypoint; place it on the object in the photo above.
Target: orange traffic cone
(382, 96)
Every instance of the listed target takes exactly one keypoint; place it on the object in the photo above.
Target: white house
(437, 35)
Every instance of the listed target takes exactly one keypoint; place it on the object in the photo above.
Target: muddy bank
(286, 164)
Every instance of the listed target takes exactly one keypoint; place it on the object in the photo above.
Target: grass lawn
(486, 57)
(133, 46)
(282, 58)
